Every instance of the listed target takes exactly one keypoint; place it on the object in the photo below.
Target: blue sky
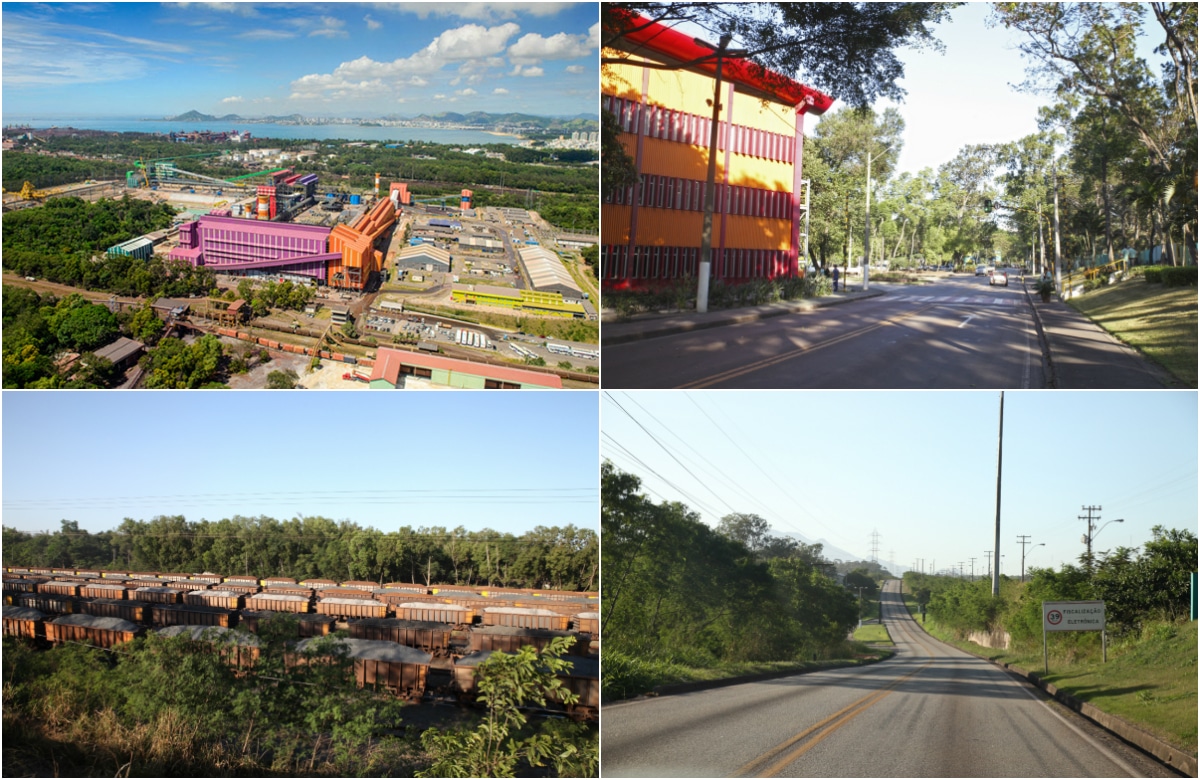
(919, 467)
(320, 59)
(504, 461)
(965, 95)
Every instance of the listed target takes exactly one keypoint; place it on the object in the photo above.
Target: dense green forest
(677, 591)
(1136, 588)
(65, 240)
(561, 558)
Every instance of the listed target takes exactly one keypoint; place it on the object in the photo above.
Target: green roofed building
(139, 248)
(546, 304)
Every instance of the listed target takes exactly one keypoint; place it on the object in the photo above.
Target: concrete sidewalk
(1081, 355)
(654, 325)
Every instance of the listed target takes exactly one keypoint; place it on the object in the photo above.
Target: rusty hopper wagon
(345, 593)
(352, 608)
(438, 613)
(55, 588)
(524, 617)
(23, 622)
(158, 595)
(318, 584)
(306, 625)
(14, 585)
(133, 611)
(50, 604)
(588, 622)
(359, 585)
(226, 599)
(397, 668)
(101, 631)
(510, 639)
(290, 590)
(189, 615)
(395, 596)
(582, 679)
(433, 638)
(238, 648)
(279, 602)
(211, 579)
(104, 590)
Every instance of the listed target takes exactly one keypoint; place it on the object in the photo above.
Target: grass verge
(873, 633)
(1160, 322)
(626, 677)
(1149, 680)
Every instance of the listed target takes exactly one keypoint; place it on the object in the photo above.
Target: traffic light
(987, 205)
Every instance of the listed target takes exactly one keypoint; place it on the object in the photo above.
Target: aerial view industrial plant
(248, 196)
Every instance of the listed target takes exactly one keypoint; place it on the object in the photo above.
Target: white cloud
(482, 12)
(474, 47)
(499, 91)
(528, 71)
(371, 23)
(533, 48)
(34, 55)
(266, 35)
(466, 92)
(330, 28)
(576, 69)
(234, 99)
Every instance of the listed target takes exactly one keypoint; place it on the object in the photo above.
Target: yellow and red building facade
(650, 232)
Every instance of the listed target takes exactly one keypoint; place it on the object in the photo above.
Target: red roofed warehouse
(650, 233)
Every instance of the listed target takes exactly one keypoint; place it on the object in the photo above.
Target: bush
(1179, 277)
(1153, 274)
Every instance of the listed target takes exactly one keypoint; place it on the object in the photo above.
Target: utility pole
(972, 570)
(960, 570)
(999, 467)
(1023, 539)
(720, 52)
(874, 546)
(1087, 538)
(987, 554)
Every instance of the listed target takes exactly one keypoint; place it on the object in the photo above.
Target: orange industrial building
(659, 86)
(356, 245)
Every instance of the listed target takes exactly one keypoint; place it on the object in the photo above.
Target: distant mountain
(830, 552)
(196, 116)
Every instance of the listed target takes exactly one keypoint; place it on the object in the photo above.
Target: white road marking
(968, 319)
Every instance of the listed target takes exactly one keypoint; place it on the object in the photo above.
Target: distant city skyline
(84, 60)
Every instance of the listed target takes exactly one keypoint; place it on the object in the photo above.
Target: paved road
(956, 333)
(932, 711)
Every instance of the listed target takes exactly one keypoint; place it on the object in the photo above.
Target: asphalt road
(956, 333)
(931, 711)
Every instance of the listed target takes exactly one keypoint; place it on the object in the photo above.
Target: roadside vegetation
(1150, 677)
(680, 295)
(683, 602)
(168, 707)
(1156, 315)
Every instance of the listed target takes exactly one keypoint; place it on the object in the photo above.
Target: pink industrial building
(231, 245)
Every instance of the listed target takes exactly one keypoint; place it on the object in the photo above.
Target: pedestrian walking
(835, 278)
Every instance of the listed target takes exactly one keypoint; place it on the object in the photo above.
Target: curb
(1165, 752)
(1043, 342)
(733, 319)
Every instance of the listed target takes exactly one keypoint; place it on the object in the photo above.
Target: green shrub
(1153, 274)
(1179, 277)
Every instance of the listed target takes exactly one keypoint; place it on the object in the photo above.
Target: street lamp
(867, 229)
(1039, 544)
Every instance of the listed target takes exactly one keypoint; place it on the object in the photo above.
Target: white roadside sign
(1073, 615)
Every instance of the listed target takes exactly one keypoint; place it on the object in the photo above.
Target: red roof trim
(661, 39)
(389, 361)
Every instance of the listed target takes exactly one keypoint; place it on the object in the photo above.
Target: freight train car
(582, 678)
(438, 613)
(270, 601)
(433, 638)
(239, 648)
(306, 625)
(99, 631)
(511, 639)
(352, 608)
(189, 615)
(525, 617)
(378, 664)
(24, 622)
(133, 611)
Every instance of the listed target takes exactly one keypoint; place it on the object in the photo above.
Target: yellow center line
(768, 362)
(847, 713)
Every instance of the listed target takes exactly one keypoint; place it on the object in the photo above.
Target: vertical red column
(797, 191)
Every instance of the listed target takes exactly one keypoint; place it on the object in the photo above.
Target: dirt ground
(327, 377)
